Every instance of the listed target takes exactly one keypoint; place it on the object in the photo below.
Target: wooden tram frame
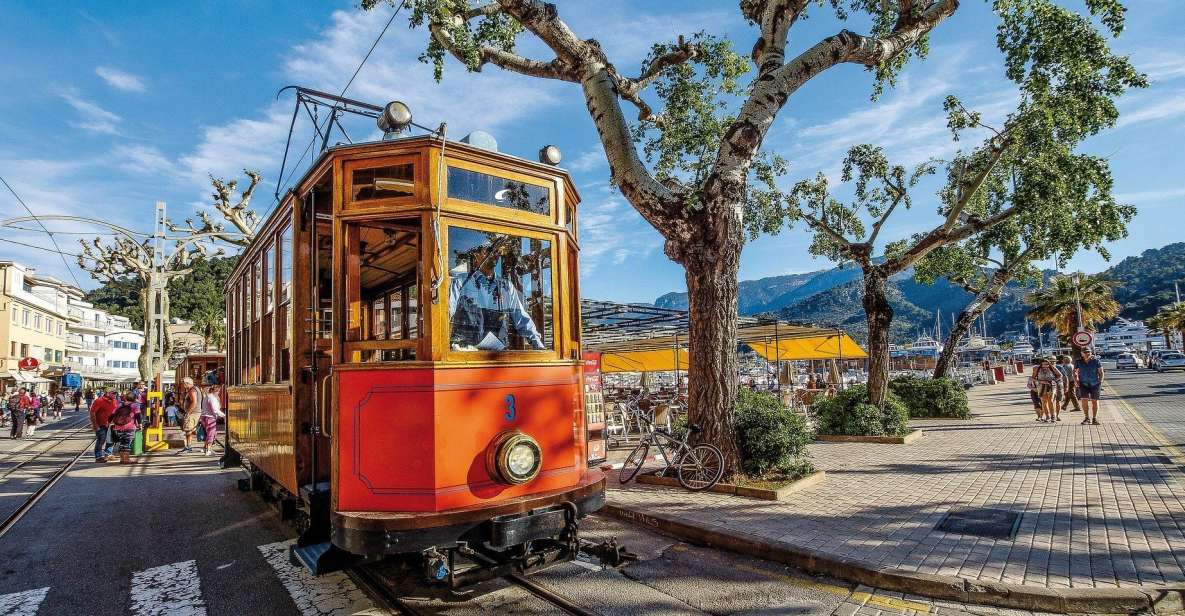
(284, 375)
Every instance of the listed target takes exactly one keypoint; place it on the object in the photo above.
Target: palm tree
(1056, 303)
(1169, 319)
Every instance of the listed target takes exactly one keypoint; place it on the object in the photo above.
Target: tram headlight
(516, 458)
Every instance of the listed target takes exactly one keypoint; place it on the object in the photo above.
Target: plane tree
(1067, 79)
(1069, 211)
(691, 158)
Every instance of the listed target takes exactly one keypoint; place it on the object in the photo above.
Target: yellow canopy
(643, 361)
(833, 346)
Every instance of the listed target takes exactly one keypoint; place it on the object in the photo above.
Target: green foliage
(680, 141)
(932, 397)
(1056, 304)
(849, 413)
(771, 436)
(1144, 283)
(197, 297)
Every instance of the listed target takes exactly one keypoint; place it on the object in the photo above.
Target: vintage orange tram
(403, 365)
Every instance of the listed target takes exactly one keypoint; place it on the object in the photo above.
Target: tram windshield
(500, 296)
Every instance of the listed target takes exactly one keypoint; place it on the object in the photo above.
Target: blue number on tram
(510, 410)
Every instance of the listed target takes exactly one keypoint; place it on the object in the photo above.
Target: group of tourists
(117, 415)
(1056, 383)
(25, 410)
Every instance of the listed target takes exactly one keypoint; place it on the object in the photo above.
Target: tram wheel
(633, 462)
(701, 468)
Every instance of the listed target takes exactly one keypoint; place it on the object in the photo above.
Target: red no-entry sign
(1082, 339)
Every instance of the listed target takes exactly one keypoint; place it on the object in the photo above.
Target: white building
(102, 346)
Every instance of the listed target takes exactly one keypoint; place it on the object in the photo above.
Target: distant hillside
(1145, 283)
(755, 295)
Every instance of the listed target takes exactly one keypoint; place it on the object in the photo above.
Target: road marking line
(331, 594)
(1174, 453)
(168, 590)
(25, 603)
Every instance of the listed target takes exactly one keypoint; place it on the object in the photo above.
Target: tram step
(320, 558)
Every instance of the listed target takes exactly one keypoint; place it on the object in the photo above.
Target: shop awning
(644, 361)
(830, 346)
(25, 377)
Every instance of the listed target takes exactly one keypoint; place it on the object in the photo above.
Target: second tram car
(403, 365)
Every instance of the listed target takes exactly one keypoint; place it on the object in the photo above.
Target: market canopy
(644, 361)
(831, 346)
(642, 338)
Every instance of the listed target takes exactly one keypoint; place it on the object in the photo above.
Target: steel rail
(74, 427)
(33, 499)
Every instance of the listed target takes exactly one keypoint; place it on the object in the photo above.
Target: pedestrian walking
(17, 403)
(1049, 380)
(1069, 385)
(77, 399)
(1088, 370)
(100, 414)
(211, 413)
(90, 397)
(1033, 395)
(123, 428)
(32, 414)
(171, 415)
(59, 402)
(190, 400)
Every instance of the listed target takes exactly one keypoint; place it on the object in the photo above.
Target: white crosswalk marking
(23, 603)
(332, 594)
(168, 590)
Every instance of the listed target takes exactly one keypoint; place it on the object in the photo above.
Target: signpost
(28, 364)
(1082, 339)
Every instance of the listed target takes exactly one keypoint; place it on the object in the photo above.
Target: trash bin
(138, 443)
(1020, 367)
(999, 370)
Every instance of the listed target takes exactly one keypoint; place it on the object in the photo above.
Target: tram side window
(267, 329)
(388, 182)
(284, 314)
(500, 292)
(384, 316)
(502, 192)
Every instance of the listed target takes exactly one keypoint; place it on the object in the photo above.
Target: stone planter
(773, 494)
(890, 440)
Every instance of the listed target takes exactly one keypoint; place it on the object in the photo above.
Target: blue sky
(109, 107)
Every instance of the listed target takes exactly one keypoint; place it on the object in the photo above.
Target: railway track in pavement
(387, 592)
(42, 465)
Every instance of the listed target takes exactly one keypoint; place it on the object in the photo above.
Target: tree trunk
(880, 316)
(712, 340)
(983, 300)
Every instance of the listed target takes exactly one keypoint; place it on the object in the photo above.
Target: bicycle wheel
(700, 468)
(633, 462)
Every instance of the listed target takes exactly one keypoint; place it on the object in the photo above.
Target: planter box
(891, 440)
(751, 492)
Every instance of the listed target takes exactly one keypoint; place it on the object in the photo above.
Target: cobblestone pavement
(1100, 504)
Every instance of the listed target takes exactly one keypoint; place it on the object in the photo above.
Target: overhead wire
(19, 243)
(52, 239)
(329, 119)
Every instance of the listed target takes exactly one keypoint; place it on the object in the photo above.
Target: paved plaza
(1102, 505)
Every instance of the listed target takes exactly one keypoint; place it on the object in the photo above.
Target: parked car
(1128, 360)
(1170, 361)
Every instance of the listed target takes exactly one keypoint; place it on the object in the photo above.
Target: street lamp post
(1078, 299)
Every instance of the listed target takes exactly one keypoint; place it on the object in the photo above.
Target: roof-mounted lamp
(550, 155)
(394, 119)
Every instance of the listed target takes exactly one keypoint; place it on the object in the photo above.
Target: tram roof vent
(481, 139)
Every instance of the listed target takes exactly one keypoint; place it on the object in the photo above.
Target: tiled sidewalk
(1102, 506)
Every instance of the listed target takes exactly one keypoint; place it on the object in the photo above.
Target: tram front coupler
(609, 552)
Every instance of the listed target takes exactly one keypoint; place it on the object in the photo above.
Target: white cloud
(94, 118)
(612, 232)
(142, 159)
(1150, 196)
(587, 161)
(120, 80)
(1151, 108)
(1159, 64)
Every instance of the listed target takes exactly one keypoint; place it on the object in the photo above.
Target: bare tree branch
(239, 214)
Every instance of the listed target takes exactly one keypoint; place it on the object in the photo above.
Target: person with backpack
(123, 428)
(16, 410)
(101, 412)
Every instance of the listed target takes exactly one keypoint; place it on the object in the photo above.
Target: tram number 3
(511, 412)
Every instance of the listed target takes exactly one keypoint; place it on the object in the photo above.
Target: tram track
(72, 431)
(11, 519)
(380, 590)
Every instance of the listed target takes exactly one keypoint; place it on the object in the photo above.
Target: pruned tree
(236, 212)
(1068, 80)
(701, 128)
(1070, 211)
(125, 257)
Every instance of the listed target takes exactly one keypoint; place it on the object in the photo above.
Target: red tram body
(403, 360)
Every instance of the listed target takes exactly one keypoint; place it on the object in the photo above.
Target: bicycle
(697, 468)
